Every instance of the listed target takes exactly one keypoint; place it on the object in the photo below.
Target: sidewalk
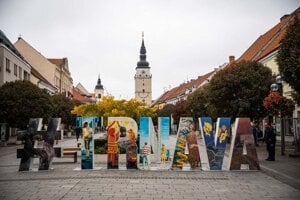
(285, 168)
(275, 180)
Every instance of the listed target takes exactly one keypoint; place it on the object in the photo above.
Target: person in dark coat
(270, 140)
(255, 133)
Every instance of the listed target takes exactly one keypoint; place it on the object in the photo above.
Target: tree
(288, 57)
(62, 107)
(179, 111)
(276, 104)
(238, 90)
(166, 111)
(109, 107)
(197, 104)
(21, 100)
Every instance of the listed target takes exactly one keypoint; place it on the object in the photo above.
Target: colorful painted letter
(164, 132)
(87, 144)
(215, 143)
(243, 153)
(126, 129)
(186, 134)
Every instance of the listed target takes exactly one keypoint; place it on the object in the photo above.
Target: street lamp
(278, 87)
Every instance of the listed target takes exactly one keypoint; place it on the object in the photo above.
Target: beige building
(63, 79)
(12, 65)
(55, 71)
(143, 78)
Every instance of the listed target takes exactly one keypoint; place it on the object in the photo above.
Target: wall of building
(37, 60)
(143, 88)
(270, 62)
(18, 68)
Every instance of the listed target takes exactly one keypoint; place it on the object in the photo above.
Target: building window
(26, 76)
(143, 90)
(99, 96)
(20, 73)
(8, 65)
(15, 70)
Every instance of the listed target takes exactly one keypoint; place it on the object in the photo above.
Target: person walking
(270, 140)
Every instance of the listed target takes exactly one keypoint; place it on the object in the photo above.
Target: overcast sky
(183, 38)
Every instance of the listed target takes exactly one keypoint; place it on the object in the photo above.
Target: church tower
(99, 91)
(143, 78)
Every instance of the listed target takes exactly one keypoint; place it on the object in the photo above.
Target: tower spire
(143, 63)
(99, 85)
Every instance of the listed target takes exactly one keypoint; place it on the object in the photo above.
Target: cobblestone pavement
(63, 182)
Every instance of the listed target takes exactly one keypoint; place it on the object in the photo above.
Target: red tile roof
(83, 99)
(181, 89)
(56, 61)
(270, 41)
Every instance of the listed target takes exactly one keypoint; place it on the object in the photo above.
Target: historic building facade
(143, 78)
(55, 71)
(12, 64)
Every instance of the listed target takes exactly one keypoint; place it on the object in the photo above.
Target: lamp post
(278, 87)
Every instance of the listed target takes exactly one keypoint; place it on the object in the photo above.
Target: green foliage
(21, 100)
(239, 90)
(100, 146)
(166, 111)
(197, 104)
(179, 111)
(62, 107)
(109, 107)
(288, 57)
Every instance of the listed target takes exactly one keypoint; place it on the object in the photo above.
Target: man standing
(255, 132)
(270, 140)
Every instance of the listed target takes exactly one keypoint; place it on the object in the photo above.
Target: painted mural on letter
(243, 153)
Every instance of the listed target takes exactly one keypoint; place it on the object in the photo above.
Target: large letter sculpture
(87, 144)
(186, 134)
(215, 142)
(26, 154)
(144, 136)
(47, 152)
(164, 132)
(243, 151)
(125, 130)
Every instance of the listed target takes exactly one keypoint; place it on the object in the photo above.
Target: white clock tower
(143, 78)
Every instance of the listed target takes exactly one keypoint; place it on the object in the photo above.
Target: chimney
(231, 60)
(284, 17)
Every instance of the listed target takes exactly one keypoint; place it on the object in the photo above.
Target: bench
(71, 151)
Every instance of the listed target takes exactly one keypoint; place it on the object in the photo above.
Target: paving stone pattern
(63, 182)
